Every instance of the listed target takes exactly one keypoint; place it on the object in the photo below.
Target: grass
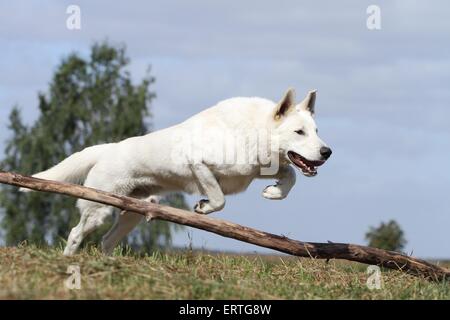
(28, 272)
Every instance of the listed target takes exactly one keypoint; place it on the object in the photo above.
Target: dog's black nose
(325, 152)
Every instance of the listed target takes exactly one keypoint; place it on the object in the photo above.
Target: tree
(90, 101)
(387, 236)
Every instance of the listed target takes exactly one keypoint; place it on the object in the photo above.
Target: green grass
(28, 272)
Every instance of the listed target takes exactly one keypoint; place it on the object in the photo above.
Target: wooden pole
(352, 252)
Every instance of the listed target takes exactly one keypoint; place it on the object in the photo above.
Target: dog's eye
(300, 132)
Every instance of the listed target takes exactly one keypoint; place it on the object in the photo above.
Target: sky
(383, 101)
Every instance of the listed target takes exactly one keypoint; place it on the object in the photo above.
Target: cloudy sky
(383, 97)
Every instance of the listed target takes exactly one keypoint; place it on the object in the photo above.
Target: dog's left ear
(308, 103)
(286, 104)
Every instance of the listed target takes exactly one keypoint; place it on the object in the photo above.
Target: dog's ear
(286, 104)
(308, 103)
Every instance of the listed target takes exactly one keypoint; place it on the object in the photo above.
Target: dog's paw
(273, 193)
(154, 199)
(203, 207)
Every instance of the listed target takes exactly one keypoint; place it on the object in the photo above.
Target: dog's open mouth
(308, 167)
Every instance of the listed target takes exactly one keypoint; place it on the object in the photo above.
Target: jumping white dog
(185, 158)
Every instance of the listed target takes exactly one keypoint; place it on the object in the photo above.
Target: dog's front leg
(210, 187)
(286, 180)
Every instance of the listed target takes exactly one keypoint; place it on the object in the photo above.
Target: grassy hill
(28, 272)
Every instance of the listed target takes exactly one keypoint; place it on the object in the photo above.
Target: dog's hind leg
(93, 215)
(209, 186)
(125, 222)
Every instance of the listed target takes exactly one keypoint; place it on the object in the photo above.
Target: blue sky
(383, 97)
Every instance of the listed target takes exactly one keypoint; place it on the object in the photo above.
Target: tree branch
(352, 252)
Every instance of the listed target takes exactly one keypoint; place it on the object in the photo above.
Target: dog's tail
(75, 168)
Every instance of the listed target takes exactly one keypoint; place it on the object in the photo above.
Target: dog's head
(297, 133)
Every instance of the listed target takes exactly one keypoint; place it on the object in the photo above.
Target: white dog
(188, 157)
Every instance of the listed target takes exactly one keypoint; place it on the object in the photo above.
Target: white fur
(158, 162)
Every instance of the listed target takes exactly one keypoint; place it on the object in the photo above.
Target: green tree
(388, 236)
(90, 101)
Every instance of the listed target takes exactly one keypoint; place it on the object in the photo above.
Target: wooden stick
(352, 252)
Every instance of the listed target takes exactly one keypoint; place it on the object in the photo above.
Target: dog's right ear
(309, 102)
(286, 104)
